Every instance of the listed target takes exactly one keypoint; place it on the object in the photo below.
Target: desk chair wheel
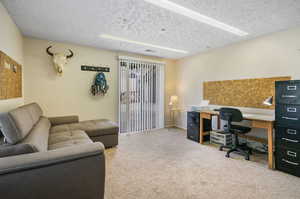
(221, 148)
(227, 155)
(224, 147)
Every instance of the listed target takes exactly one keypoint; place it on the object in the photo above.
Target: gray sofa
(47, 158)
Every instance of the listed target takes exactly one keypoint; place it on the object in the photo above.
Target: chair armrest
(73, 172)
(63, 120)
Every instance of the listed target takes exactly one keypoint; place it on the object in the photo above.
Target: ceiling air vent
(150, 51)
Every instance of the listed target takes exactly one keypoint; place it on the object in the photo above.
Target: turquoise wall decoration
(100, 86)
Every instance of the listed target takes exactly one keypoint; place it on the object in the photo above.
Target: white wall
(70, 94)
(268, 56)
(11, 43)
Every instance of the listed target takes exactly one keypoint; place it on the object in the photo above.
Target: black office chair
(235, 115)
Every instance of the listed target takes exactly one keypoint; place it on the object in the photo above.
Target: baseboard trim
(170, 125)
(139, 132)
(180, 127)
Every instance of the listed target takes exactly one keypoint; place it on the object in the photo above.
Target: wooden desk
(258, 121)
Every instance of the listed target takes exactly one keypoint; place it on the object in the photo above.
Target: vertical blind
(141, 95)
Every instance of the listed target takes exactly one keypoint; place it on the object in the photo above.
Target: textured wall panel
(241, 93)
(10, 78)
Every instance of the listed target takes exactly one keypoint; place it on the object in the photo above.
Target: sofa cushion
(39, 134)
(9, 129)
(25, 117)
(93, 128)
(35, 111)
(68, 138)
(107, 140)
(18, 149)
(63, 120)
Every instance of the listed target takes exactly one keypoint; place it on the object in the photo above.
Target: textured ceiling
(82, 21)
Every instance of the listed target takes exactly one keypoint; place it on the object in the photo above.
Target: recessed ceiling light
(105, 36)
(196, 16)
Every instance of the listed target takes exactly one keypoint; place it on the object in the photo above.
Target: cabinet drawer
(194, 121)
(193, 126)
(286, 142)
(193, 114)
(287, 92)
(193, 118)
(193, 129)
(193, 135)
(288, 115)
(289, 137)
(288, 160)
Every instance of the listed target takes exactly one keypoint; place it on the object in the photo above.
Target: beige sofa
(52, 157)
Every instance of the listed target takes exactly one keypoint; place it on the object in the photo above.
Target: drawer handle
(293, 110)
(288, 96)
(291, 88)
(289, 162)
(291, 131)
(290, 118)
(289, 140)
(292, 154)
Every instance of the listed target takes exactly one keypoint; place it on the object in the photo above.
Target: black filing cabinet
(193, 126)
(287, 137)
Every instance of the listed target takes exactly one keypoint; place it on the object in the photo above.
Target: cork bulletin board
(10, 78)
(241, 93)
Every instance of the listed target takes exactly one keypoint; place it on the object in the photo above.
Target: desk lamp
(268, 101)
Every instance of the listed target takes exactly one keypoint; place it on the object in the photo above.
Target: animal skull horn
(59, 59)
(71, 55)
(48, 51)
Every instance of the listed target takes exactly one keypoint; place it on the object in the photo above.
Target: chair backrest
(231, 114)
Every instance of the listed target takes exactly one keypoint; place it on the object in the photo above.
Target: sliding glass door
(141, 92)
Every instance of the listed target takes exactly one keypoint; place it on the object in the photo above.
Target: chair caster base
(224, 147)
(250, 152)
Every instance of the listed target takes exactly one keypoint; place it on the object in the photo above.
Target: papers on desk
(203, 105)
(214, 123)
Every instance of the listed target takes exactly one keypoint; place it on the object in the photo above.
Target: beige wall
(170, 89)
(69, 94)
(11, 42)
(272, 55)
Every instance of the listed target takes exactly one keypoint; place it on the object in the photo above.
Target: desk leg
(201, 138)
(270, 147)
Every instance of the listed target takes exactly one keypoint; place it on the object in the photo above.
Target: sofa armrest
(36, 160)
(73, 172)
(18, 149)
(64, 120)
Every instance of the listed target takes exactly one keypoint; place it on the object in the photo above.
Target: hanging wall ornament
(100, 86)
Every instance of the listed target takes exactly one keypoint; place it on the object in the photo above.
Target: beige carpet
(165, 165)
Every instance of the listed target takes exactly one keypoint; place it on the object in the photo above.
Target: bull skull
(59, 60)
